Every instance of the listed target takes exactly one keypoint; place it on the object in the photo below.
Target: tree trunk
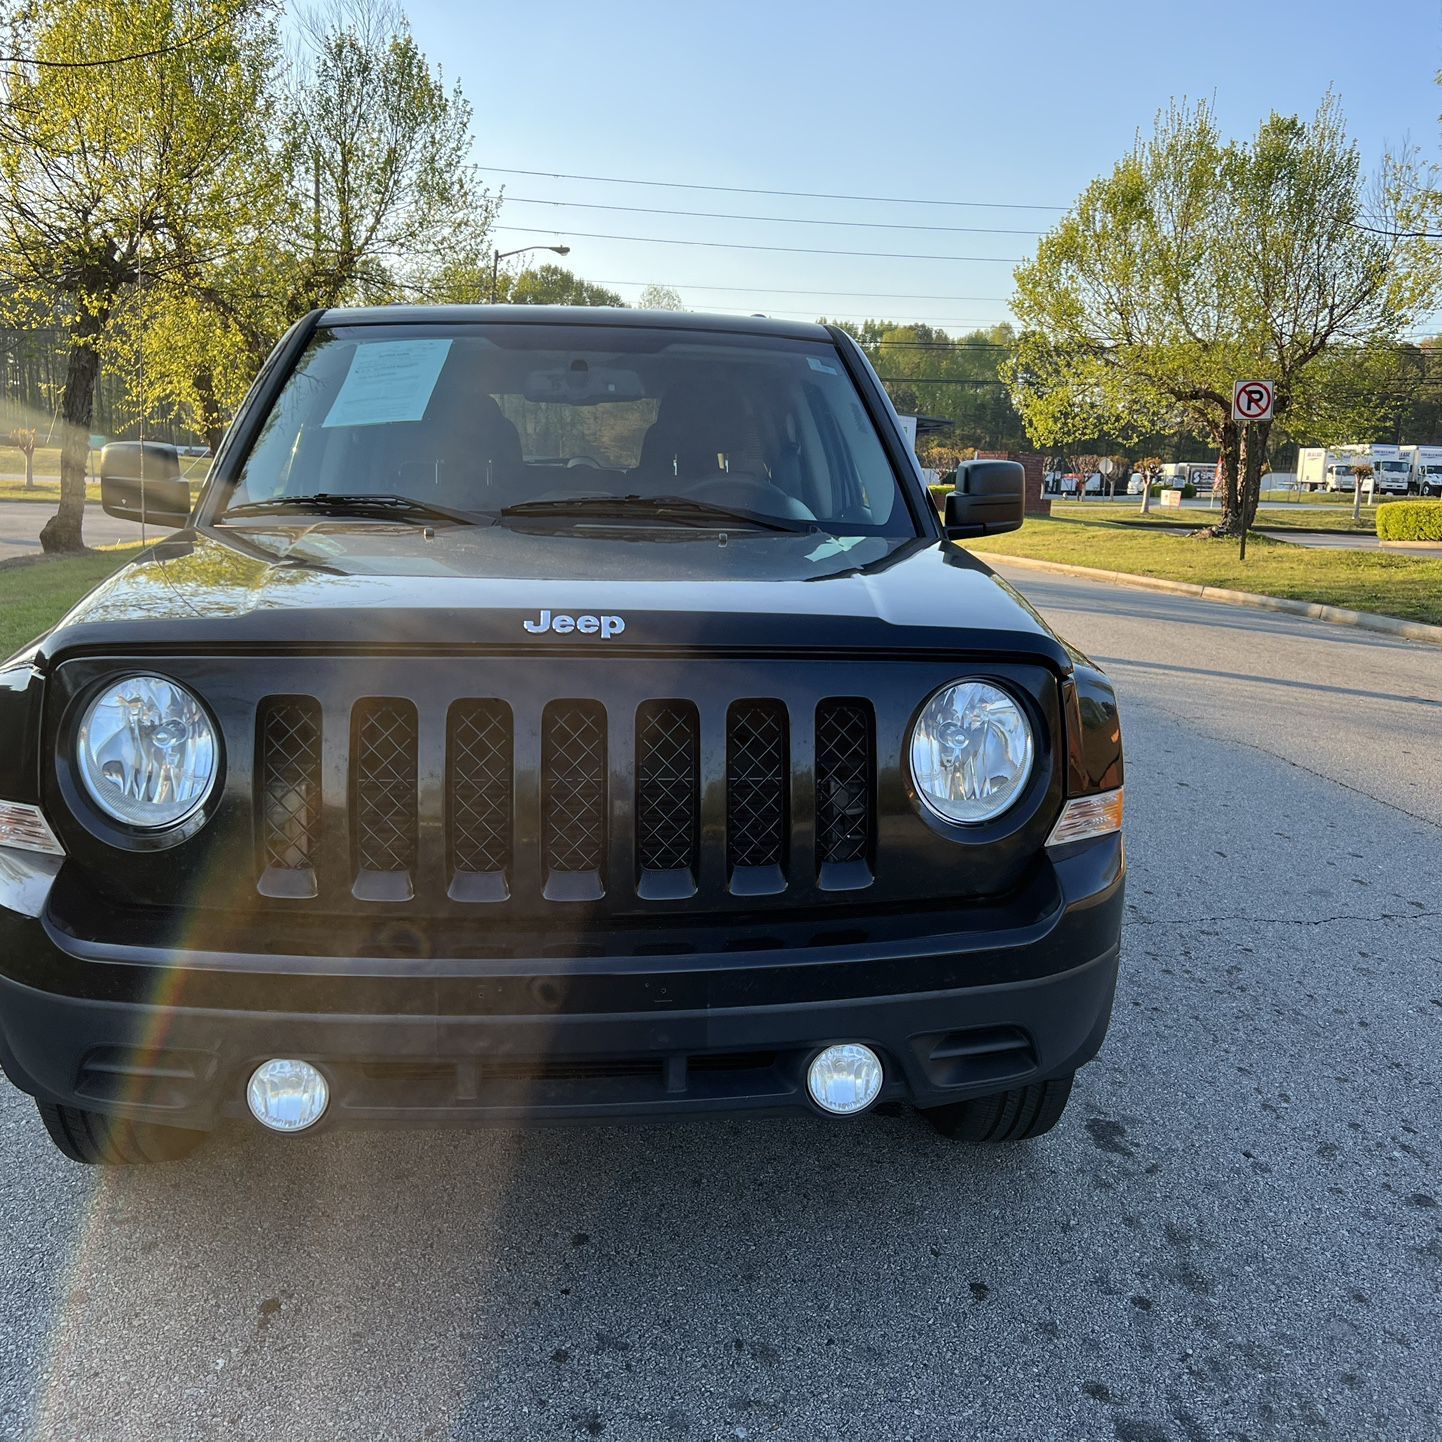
(1228, 463)
(211, 424)
(1254, 452)
(62, 532)
(29, 468)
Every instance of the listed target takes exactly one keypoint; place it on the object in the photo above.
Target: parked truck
(1334, 468)
(1424, 470)
(1389, 470)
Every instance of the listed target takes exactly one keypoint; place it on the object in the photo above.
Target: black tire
(1014, 1116)
(98, 1140)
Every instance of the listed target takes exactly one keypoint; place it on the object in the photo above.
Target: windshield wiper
(360, 504)
(681, 509)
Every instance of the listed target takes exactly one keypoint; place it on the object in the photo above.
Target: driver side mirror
(141, 481)
(989, 498)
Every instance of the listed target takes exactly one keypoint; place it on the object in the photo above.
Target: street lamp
(501, 255)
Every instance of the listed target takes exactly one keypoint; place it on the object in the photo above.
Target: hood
(382, 587)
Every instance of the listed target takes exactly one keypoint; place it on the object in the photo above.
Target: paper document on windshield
(389, 380)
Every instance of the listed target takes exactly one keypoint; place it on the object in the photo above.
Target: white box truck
(1424, 469)
(1390, 471)
(1320, 468)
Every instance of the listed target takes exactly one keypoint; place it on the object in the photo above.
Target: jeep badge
(563, 625)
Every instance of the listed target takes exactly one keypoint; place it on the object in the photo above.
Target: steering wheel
(746, 491)
(589, 461)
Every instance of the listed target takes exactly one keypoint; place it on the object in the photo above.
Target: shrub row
(1410, 521)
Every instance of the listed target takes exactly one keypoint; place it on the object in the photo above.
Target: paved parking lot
(1235, 1233)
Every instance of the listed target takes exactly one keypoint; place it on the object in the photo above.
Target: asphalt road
(20, 523)
(1234, 1233)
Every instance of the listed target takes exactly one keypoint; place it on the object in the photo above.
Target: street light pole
(498, 256)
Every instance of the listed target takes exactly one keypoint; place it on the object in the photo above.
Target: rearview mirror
(141, 481)
(583, 385)
(989, 498)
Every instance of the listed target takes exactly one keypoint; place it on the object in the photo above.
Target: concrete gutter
(1312, 610)
(1425, 548)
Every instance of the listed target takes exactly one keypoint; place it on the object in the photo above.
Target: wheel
(97, 1140)
(1014, 1116)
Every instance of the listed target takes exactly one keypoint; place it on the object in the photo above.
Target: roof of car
(572, 315)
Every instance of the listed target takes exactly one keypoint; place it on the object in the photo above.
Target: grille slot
(845, 782)
(668, 801)
(756, 787)
(384, 806)
(480, 799)
(573, 800)
(288, 795)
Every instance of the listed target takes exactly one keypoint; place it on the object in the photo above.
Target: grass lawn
(1403, 586)
(1274, 518)
(35, 594)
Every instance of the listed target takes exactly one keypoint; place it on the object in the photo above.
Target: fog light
(287, 1096)
(844, 1079)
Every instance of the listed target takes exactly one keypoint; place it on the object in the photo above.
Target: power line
(768, 219)
(182, 44)
(845, 294)
(738, 245)
(751, 190)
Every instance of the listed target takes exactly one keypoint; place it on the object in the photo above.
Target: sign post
(1251, 402)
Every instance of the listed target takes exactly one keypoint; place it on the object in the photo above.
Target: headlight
(971, 752)
(148, 753)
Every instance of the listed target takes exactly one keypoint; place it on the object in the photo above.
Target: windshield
(485, 418)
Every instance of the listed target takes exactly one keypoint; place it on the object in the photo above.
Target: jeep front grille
(288, 794)
(845, 764)
(573, 800)
(385, 799)
(756, 777)
(668, 798)
(480, 799)
(753, 798)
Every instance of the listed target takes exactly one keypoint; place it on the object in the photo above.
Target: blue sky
(1021, 103)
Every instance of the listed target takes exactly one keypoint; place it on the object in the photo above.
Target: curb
(1312, 610)
(1428, 548)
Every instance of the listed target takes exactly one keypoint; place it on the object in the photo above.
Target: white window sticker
(389, 380)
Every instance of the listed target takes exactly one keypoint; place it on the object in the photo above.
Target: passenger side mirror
(141, 481)
(989, 498)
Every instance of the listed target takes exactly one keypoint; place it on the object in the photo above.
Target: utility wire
(182, 44)
(752, 190)
(768, 219)
(845, 294)
(738, 245)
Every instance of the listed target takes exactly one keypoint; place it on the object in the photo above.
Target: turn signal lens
(1085, 816)
(25, 827)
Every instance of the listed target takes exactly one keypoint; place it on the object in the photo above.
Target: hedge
(1410, 521)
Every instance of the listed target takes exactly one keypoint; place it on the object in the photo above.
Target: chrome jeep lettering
(587, 625)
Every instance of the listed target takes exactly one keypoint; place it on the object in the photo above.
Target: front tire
(1011, 1116)
(97, 1140)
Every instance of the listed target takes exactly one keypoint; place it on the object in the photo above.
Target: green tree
(1199, 262)
(375, 151)
(103, 168)
(660, 297)
(554, 285)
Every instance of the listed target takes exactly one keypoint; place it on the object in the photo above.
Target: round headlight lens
(147, 752)
(971, 752)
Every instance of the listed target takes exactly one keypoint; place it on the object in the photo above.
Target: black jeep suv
(553, 713)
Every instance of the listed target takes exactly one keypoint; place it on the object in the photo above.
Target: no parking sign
(1252, 401)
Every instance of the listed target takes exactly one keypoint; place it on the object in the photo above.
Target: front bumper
(953, 1013)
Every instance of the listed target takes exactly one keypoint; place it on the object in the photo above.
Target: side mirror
(990, 497)
(141, 481)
